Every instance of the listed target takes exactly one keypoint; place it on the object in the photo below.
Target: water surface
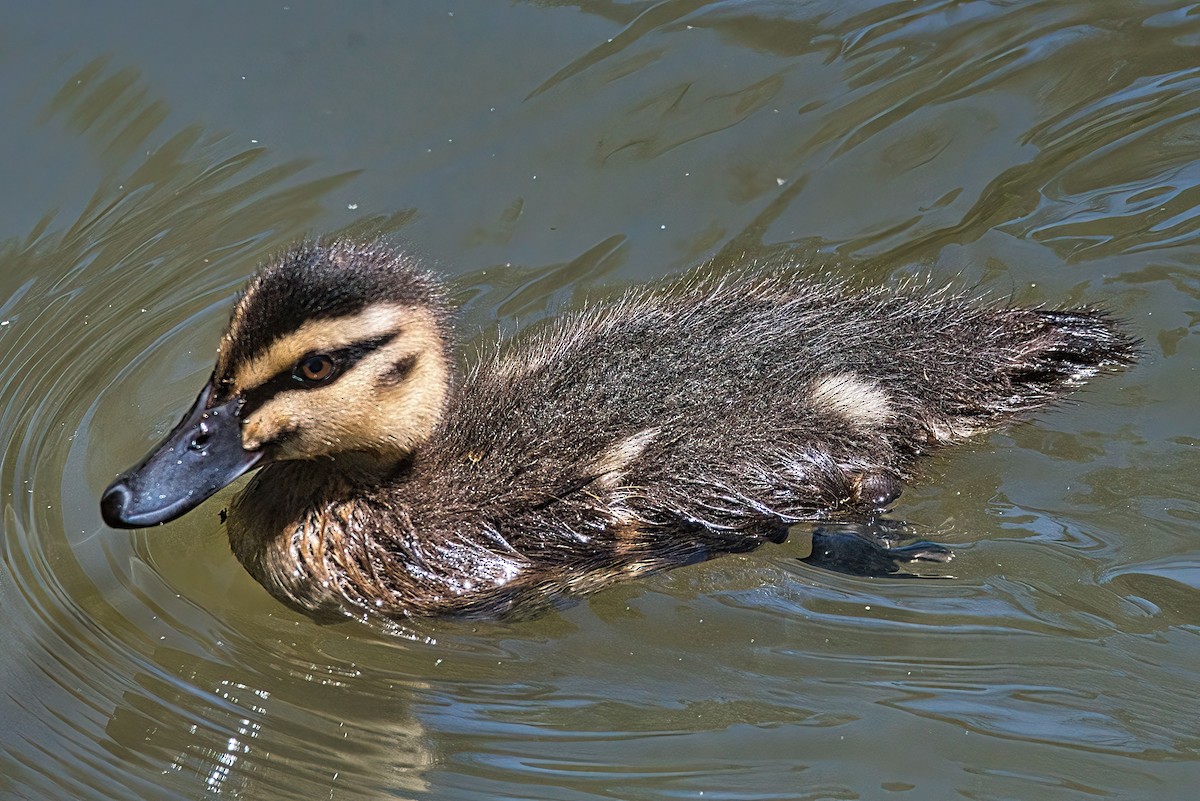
(540, 154)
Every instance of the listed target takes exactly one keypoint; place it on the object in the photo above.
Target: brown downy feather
(684, 420)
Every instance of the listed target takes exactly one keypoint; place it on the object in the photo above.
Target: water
(544, 153)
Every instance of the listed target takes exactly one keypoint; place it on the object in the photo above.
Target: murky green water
(541, 153)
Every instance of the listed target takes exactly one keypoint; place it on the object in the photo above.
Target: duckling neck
(365, 468)
(298, 528)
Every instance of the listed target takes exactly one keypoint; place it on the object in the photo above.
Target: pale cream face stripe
(326, 336)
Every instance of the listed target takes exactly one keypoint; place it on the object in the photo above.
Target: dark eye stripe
(283, 381)
(398, 371)
(347, 357)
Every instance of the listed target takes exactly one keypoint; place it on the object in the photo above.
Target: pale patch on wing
(943, 431)
(610, 465)
(856, 400)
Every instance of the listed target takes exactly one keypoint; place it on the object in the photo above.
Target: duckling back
(730, 403)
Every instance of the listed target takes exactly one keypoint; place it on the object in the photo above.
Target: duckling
(686, 419)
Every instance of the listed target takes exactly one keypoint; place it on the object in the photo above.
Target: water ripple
(1047, 143)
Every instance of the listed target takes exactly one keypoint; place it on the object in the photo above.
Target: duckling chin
(682, 421)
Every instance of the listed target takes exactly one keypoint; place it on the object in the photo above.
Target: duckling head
(333, 351)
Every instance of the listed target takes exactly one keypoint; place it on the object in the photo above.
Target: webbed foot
(868, 549)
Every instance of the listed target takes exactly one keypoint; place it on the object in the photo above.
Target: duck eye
(312, 370)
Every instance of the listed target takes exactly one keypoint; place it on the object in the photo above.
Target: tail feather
(1037, 356)
(1071, 347)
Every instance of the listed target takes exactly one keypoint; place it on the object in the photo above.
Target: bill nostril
(200, 441)
(114, 504)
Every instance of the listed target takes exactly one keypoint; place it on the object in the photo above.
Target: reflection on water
(548, 153)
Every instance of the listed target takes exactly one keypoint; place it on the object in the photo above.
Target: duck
(701, 415)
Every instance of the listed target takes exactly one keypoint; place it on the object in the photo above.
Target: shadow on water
(1043, 151)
